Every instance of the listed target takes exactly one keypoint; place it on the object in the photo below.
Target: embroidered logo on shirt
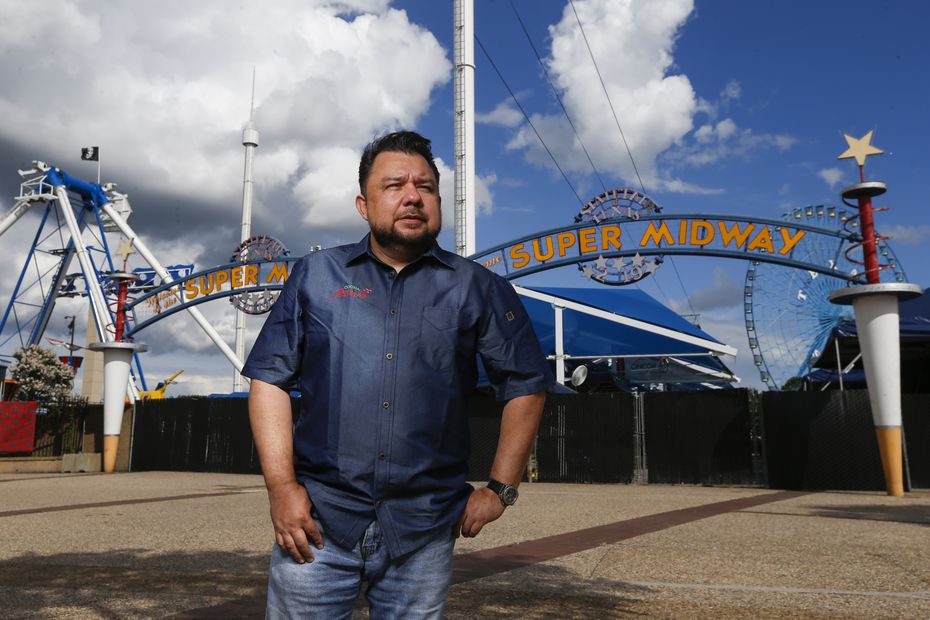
(350, 290)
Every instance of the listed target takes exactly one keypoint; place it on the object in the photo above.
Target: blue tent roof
(589, 335)
(627, 322)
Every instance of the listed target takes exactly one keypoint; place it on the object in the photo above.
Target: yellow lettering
(701, 225)
(656, 235)
(565, 241)
(492, 261)
(586, 241)
(236, 281)
(206, 284)
(251, 275)
(190, 289)
(610, 236)
(762, 240)
(735, 233)
(790, 241)
(222, 277)
(519, 256)
(278, 273)
(682, 231)
(538, 253)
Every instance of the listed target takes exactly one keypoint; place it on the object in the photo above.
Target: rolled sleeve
(276, 355)
(508, 346)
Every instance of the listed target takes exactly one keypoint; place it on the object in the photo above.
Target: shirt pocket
(438, 337)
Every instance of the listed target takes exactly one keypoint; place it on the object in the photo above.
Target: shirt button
(381, 456)
(393, 311)
(392, 274)
(379, 503)
(390, 356)
(386, 405)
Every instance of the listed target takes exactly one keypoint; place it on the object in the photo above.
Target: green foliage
(794, 384)
(41, 376)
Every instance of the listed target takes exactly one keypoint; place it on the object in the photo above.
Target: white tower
(464, 96)
(250, 142)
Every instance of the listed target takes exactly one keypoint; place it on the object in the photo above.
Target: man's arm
(270, 417)
(519, 424)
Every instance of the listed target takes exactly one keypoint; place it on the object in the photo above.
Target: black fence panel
(699, 437)
(229, 445)
(813, 440)
(170, 434)
(821, 440)
(586, 438)
(485, 426)
(916, 420)
(195, 434)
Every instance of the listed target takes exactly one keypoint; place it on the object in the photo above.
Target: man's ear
(361, 204)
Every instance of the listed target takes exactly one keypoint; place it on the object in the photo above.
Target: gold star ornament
(125, 249)
(860, 148)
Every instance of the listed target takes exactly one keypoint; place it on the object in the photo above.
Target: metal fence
(63, 430)
(797, 440)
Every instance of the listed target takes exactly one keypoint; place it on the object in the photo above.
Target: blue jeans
(412, 586)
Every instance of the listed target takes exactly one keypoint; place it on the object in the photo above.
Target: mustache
(412, 214)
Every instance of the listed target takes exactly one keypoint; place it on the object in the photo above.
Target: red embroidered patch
(350, 290)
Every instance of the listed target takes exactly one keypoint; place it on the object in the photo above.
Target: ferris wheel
(789, 317)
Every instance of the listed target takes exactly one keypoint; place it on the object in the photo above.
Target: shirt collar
(363, 248)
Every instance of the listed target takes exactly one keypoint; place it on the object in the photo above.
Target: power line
(526, 116)
(556, 93)
(625, 143)
(609, 102)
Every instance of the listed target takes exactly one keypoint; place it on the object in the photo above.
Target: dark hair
(409, 142)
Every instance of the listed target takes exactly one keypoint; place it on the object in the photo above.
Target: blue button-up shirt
(385, 363)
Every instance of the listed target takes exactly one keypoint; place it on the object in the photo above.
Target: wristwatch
(506, 492)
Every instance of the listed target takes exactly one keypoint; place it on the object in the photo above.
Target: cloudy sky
(726, 108)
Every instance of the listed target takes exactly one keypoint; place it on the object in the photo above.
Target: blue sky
(729, 107)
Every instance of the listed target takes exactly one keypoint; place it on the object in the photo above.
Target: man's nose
(412, 195)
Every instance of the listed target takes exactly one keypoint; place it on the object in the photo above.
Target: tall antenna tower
(250, 142)
(464, 96)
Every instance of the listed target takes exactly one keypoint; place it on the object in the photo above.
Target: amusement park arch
(618, 238)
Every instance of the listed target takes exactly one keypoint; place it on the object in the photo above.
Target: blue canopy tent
(914, 321)
(581, 325)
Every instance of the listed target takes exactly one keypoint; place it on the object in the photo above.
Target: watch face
(509, 495)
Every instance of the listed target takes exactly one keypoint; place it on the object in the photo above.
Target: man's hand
(483, 507)
(294, 528)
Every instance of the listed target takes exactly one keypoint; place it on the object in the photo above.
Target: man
(381, 337)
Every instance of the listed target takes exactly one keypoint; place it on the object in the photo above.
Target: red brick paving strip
(478, 564)
(488, 562)
(124, 502)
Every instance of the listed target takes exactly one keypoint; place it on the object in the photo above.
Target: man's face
(401, 204)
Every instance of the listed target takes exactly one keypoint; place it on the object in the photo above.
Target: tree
(41, 375)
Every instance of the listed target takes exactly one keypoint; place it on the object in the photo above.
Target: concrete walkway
(186, 545)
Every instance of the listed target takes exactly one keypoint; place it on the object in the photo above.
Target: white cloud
(907, 234)
(484, 198)
(163, 89)
(683, 187)
(713, 142)
(832, 176)
(632, 41)
(731, 91)
(504, 113)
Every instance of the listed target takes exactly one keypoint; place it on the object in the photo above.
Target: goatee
(413, 243)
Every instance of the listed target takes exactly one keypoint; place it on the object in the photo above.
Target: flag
(90, 153)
